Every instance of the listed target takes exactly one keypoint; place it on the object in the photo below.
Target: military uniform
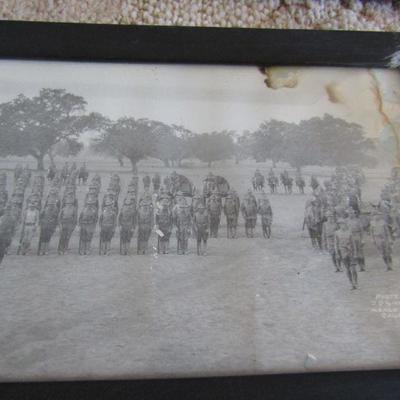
(107, 222)
(127, 223)
(145, 220)
(356, 230)
(48, 222)
(68, 219)
(183, 222)
(231, 211)
(382, 239)
(329, 229)
(249, 213)
(87, 223)
(7, 231)
(214, 209)
(201, 223)
(344, 246)
(164, 222)
(265, 211)
(30, 223)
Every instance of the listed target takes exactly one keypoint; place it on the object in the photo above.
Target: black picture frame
(116, 43)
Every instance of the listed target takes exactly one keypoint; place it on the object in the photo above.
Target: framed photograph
(199, 203)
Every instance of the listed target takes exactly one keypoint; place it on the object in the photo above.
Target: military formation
(42, 205)
(339, 221)
(274, 181)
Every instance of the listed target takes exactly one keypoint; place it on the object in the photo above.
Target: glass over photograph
(180, 220)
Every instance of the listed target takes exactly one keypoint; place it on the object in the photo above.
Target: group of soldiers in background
(258, 181)
(338, 220)
(163, 207)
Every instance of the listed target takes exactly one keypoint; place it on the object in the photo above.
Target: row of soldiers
(258, 181)
(167, 210)
(338, 221)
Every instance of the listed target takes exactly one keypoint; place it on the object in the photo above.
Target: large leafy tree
(328, 141)
(215, 146)
(135, 139)
(34, 126)
(268, 140)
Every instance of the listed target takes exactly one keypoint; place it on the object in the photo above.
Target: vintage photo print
(181, 220)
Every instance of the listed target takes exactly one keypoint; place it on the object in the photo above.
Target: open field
(250, 306)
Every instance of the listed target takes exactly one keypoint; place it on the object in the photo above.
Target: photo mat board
(255, 300)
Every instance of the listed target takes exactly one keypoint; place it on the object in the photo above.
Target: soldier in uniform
(382, 238)
(156, 182)
(231, 211)
(127, 224)
(3, 198)
(83, 174)
(272, 181)
(146, 182)
(87, 223)
(344, 247)
(107, 222)
(183, 221)
(314, 182)
(145, 219)
(201, 223)
(30, 222)
(214, 208)
(249, 213)
(300, 183)
(68, 220)
(329, 229)
(356, 229)
(48, 221)
(265, 211)
(7, 231)
(197, 200)
(64, 172)
(164, 223)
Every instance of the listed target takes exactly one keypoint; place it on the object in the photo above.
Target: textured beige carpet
(309, 14)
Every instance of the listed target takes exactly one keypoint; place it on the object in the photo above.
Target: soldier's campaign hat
(179, 193)
(201, 206)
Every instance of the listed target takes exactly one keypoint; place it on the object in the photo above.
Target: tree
(268, 139)
(215, 146)
(135, 139)
(327, 141)
(34, 126)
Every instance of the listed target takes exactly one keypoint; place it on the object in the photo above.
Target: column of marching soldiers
(338, 221)
(59, 209)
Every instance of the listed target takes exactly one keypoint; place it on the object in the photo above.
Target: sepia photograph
(161, 220)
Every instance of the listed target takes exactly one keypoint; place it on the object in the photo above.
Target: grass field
(250, 306)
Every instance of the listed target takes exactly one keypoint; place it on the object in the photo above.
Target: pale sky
(202, 98)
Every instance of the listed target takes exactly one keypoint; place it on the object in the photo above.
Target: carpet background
(288, 14)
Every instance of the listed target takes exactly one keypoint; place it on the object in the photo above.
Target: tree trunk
(40, 164)
(166, 163)
(209, 164)
(273, 164)
(52, 162)
(120, 160)
(134, 166)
